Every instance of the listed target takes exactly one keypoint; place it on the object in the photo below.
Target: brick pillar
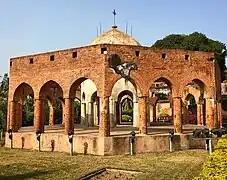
(63, 110)
(104, 124)
(210, 113)
(154, 113)
(18, 116)
(51, 115)
(199, 120)
(143, 115)
(219, 109)
(38, 115)
(12, 115)
(177, 109)
(68, 116)
(73, 113)
(202, 114)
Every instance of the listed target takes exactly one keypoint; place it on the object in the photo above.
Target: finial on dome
(114, 13)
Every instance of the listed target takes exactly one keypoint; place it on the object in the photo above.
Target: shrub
(126, 118)
(216, 165)
(163, 114)
(128, 112)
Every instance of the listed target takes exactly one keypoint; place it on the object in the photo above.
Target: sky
(29, 27)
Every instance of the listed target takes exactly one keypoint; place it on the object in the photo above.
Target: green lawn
(23, 164)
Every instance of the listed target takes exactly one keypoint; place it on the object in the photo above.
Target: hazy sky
(32, 26)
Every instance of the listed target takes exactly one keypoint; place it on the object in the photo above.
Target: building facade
(112, 70)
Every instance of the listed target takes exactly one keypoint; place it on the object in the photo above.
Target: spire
(114, 13)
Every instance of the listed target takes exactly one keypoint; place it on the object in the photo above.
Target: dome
(114, 36)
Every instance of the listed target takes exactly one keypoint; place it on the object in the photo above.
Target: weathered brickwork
(35, 74)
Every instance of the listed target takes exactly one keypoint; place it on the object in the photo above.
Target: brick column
(202, 114)
(199, 120)
(18, 115)
(177, 109)
(143, 115)
(154, 113)
(185, 114)
(51, 115)
(104, 124)
(38, 115)
(68, 116)
(12, 115)
(219, 109)
(73, 113)
(210, 113)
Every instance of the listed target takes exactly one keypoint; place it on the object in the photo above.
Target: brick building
(97, 74)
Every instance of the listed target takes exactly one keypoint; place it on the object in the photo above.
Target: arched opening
(77, 110)
(86, 102)
(160, 102)
(125, 107)
(191, 109)
(52, 95)
(194, 103)
(24, 106)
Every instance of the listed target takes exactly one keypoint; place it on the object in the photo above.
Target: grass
(24, 164)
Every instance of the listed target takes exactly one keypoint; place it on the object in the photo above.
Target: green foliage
(46, 113)
(126, 118)
(163, 114)
(4, 87)
(216, 165)
(28, 112)
(128, 112)
(77, 111)
(194, 42)
(58, 112)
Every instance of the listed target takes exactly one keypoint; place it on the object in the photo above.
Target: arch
(134, 81)
(24, 106)
(51, 94)
(160, 96)
(88, 92)
(23, 89)
(123, 93)
(190, 113)
(51, 89)
(124, 86)
(197, 83)
(94, 97)
(123, 117)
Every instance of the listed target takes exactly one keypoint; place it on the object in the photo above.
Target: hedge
(126, 118)
(215, 168)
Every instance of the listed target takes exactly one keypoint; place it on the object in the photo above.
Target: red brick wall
(90, 63)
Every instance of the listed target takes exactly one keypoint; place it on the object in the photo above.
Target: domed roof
(114, 36)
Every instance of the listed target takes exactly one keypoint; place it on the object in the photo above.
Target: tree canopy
(194, 42)
(4, 87)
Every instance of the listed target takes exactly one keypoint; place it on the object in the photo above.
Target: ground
(25, 164)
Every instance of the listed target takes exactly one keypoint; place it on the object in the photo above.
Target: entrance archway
(51, 94)
(124, 92)
(24, 106)
(125, 108)
(191, 109)
(160, 101)
(84, 93)
(197, 89)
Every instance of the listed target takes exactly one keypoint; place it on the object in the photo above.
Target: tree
(4, 87)
(28, 111)
(194, 42)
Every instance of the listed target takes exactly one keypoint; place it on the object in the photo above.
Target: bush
(128, 112)
(216, 165)
(126, 118)
(163, 114)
